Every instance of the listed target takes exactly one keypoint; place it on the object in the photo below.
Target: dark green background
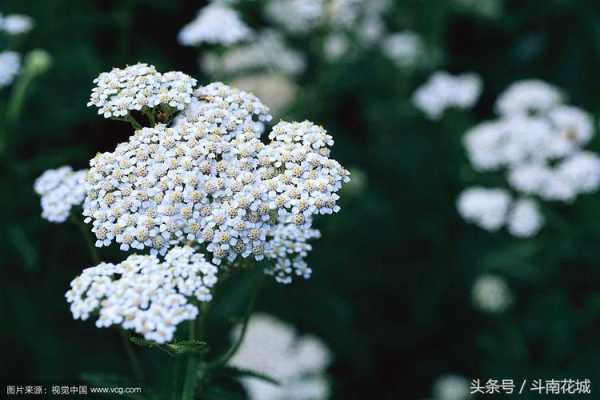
(390, 294)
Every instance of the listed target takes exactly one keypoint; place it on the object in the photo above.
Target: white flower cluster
(298, 363)
(296, 16)
(137, 86)
(362, 20)
(15, 24)
(443, 91)
(210, 179)
(267, 52)
(451, 387)
(290, 240)
(10, 65)
(528, 96)
(335, 46)
(539, 142)
(10, 61)
(143, 294)
(491, 209)
(405, 49)
(215, 24)
(60, 189)
(485, 207)
(491, 294)
(343, 14)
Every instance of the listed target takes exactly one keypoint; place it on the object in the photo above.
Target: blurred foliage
(390, 294)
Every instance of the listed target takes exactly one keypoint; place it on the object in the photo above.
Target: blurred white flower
(335, 46)
(488, 8)
(582, 171)
(143, 294)
(377, 7)
(298, 363)
(267, 52)
(485, 145)
(509, 142)
(343, 13)
(451, 387)
(530, 178)
(216, 23)
(486, 208)
(576, 174)
(538, 140)
(276, 90)
(15, 24)
(491, 294)
(574, 128)
(528, 96)
(405, 49)
(296, 16)
(370, 30)
(60, 189)
(443, 91)
(527, 144)
(525, 218)
(10, 65)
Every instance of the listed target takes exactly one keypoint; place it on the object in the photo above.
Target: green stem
(136, 125)
(149, 113)
(135, 364)
(88, 238)
(18, 96)
(13, 110)
(225, 357)
(191, 369)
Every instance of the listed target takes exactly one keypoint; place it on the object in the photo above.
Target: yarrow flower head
(539, 141)
(296, 16)
(298, 363)
(137, 86)
(209, 179)
(405, 49)
(443, 91)
(525, 218)
(451, 387)
(268, 52)
(60, 190)
(485, 207)
(10, 65)
(335, 46)
(491, 209)
(288, 246)
(215, 24)
(491, 294)
(528, 96)
(15, 24)
(142, 294)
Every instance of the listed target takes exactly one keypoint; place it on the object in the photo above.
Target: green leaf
(224, 393)
(24, 247)
(99, 378)
(188, 346)
(174, 349)
(236, 372)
